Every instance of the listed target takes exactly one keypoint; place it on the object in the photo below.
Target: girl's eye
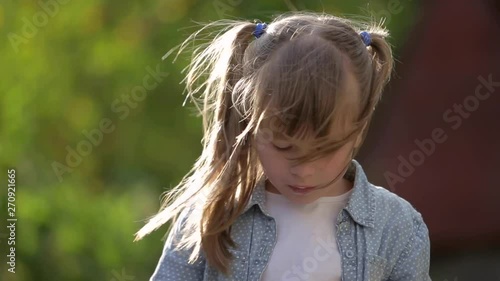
(282, 148)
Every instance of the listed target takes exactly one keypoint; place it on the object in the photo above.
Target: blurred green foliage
(66, 67)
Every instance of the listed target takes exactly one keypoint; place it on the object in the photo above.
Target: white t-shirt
(306, 248)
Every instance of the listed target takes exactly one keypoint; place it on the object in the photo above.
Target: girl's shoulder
(375, 206)
(397, 222)
(401, 234)
(386, 216)
(390, 207)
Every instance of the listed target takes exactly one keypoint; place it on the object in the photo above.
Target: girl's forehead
(277, 129)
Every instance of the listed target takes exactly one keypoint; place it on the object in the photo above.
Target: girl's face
(306, 182)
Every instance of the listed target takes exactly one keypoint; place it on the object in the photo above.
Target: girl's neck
(342, 187)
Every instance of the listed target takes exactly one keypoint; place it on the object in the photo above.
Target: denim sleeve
(413, 263)
(173, 264)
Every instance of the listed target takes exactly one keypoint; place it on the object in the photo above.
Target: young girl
(276, 194)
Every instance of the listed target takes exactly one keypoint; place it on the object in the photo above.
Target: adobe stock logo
(224, 6)
(39, 20)
(454, 117)
(123, 276)
(122, 106)
(323, 252)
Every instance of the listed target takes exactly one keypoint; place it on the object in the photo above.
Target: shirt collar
(361, 205)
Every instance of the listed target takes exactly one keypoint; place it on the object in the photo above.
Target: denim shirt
(380, 236)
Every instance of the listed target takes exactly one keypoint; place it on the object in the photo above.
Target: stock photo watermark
(122, 106)
(454, 117)
(222, 7)
(123, 276)
(31, 26)
(323, 251)
(393, 7)
(276, 125)
(11, 221)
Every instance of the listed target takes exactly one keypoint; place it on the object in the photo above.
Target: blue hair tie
(367, 39)
(259, 29)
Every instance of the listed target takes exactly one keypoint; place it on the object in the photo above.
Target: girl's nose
(303, 170)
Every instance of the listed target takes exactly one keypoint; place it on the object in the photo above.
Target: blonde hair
(294, 76)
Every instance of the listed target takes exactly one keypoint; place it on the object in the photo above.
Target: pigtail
(382, 61)
(216, 190)
(231, 165)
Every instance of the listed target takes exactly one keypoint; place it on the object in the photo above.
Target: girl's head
(292, 105)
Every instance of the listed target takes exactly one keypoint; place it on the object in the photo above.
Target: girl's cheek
(338, 158)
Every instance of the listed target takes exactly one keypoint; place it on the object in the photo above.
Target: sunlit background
(92, 121)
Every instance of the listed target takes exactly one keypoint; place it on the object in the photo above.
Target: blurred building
(435, 138)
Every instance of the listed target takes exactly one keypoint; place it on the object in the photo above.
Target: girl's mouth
(301, 189)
